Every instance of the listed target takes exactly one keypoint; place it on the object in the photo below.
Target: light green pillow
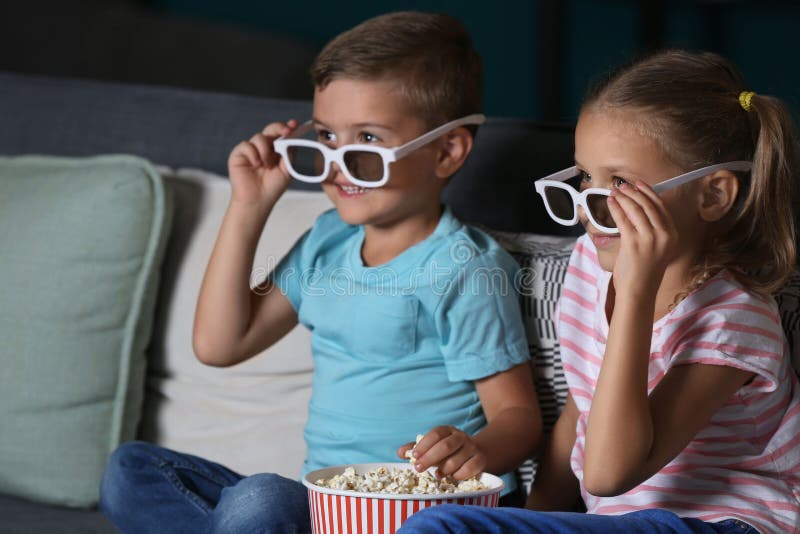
(81, 242)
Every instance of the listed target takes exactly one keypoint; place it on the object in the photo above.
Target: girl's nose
(582, 215)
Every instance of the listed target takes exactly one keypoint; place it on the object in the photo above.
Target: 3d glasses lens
(365, 166)
(598, 206)
(560, 203)
(306, 161)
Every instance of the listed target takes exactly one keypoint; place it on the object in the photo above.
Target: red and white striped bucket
(348, 512)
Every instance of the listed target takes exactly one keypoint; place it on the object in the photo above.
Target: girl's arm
(511, 435)
(556, 487)
(632, 435)
(232, 323)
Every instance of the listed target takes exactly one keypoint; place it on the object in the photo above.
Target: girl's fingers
(640, 209)
(634, 213)
(618, 214)
(664, 219)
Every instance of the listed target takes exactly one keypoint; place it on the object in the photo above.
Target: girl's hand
(648, 237)
(450, 450)
(257, 174)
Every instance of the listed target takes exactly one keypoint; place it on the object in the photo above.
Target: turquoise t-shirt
(397, 347)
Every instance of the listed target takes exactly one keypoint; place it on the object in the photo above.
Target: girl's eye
(583, 180)
(617, 181)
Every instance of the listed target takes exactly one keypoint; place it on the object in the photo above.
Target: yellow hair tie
(744, 99)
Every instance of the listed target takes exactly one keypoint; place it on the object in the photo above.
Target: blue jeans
(147, 488)
(458, 519)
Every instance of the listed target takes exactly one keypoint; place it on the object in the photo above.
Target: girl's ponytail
(769, 210)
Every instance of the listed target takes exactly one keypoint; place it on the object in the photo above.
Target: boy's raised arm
(231, 322)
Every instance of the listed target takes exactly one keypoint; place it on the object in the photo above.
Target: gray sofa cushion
(18, 516)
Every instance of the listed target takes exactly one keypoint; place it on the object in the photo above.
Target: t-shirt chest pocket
(384, 327)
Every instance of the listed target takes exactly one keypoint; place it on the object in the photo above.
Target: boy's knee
(264, 502)
(129, 458)
(121, 472)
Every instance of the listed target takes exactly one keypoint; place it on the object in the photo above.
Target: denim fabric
(457, 519)
(147, 488)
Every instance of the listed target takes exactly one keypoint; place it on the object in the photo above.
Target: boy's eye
(585, 177)
(324, 136)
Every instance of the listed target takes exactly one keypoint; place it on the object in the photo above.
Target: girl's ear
(454, 148)
(718, 195)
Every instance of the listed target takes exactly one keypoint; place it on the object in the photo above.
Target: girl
(684, 411)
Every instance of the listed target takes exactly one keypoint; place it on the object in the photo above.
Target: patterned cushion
(788, 299)
(543, 261)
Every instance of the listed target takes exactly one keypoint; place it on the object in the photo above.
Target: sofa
(111, 195)
(110, 198)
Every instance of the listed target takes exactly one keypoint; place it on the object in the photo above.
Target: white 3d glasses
(363, 165)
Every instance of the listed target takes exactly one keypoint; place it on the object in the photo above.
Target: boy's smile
(405, 210)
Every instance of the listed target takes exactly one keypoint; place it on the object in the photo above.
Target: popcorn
(410, 452)
(399, 481)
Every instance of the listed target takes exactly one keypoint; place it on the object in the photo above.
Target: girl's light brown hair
(429, 55)
(689, 103)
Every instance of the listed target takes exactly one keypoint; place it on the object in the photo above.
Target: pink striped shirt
(746, 463)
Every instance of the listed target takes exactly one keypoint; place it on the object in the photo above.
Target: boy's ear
(453, 150)
(718, 194)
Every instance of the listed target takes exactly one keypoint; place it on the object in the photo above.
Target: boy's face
(350, 111)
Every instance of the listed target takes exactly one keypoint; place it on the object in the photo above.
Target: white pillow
(249, 417)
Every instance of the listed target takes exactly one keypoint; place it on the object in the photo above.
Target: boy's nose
(334, 172)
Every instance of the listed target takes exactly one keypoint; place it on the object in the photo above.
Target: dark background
(539, 55)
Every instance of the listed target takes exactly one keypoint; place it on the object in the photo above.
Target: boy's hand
(450, 450)
(257, 174)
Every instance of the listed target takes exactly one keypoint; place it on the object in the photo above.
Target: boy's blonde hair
(690, 104)
(429, 55)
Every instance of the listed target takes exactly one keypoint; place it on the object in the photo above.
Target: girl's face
(611, 148)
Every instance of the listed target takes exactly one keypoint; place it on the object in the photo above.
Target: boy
(408, 332)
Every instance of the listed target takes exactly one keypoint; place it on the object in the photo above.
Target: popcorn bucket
(335, 511)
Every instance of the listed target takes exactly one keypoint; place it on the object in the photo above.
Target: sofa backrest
(181, 128)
